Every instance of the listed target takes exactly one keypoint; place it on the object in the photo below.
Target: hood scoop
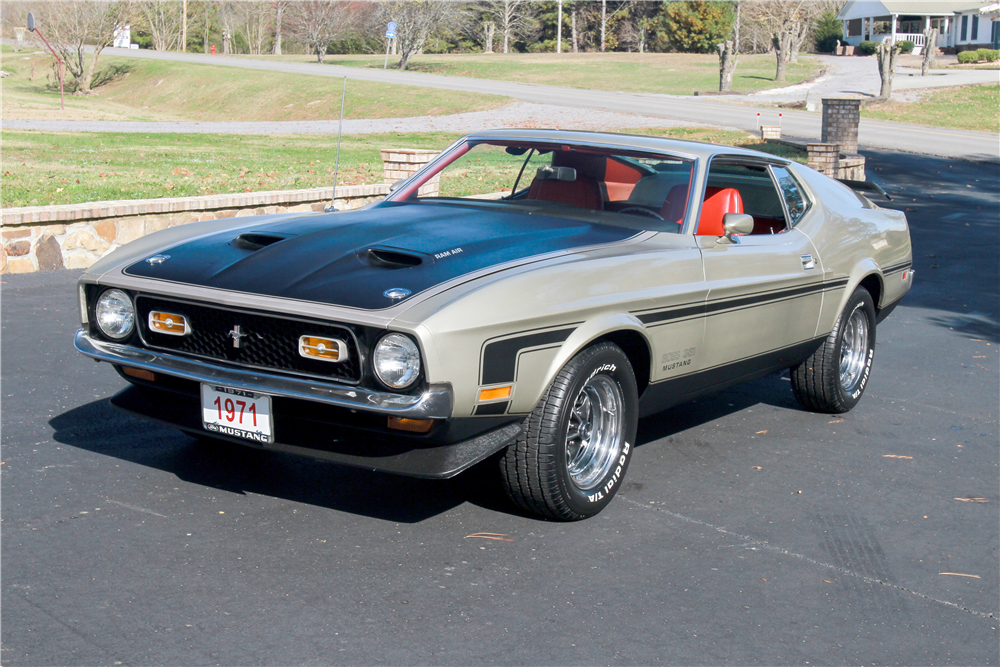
(393, 258)
(255, 241)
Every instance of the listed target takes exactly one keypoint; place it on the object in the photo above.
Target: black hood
(351, 259)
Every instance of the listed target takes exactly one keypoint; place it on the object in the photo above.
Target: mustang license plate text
(235, 412)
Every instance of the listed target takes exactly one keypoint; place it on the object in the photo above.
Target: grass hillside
(152, 90)
(42, 168)
(667, 73)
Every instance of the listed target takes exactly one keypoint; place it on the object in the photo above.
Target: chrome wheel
(854, 349)
(594, 435)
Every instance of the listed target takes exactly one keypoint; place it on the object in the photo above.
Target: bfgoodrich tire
(834, 378)
(576, 445)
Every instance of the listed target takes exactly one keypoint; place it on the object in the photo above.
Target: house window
(965, 28)
(974, 37)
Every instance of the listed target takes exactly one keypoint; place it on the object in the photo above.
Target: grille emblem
(237, 334)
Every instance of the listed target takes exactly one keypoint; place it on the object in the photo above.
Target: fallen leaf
(974, 357)
(835, 421)
(973, 500)
(756, 467)
(490, 536)
(895, 456)
(978, 340)
(959, 574)
(827, 581)
(764, 431)
(763, 579)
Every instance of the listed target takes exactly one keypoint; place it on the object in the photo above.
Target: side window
(735, 187)
(795, 199)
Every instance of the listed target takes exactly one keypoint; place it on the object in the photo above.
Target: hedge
(868, 47)
(906, 46)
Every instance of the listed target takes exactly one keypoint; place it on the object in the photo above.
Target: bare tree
(514, 19)
(316, 23)
(930, 50)
(162, 18)
(415, 20)
(887, 53)
(729, 55)
(279, 10)
(785, 22)
(254, 22)
(71, 25)
(635, 28)
(227, 19)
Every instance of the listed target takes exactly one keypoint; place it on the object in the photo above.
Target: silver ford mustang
(527, 297)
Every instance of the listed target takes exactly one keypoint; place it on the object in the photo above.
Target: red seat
(675, 204)
(718, 202)
(583, 192)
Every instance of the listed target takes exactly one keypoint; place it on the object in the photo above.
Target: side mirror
(736, 224)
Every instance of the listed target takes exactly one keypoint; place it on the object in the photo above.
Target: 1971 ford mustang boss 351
(529, 295)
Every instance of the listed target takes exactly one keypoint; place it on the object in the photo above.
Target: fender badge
(395, 293)
(157, 259)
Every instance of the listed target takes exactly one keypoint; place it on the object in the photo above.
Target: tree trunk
(320, 52)
(604, 21)
(277, 28)
(727, 65)
(506, 40)
(489, 28)
(930, 50)
(887, 54)
(781, 42)
(205, 30)
(576, 42)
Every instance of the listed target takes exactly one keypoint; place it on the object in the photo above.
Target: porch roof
(859, 9)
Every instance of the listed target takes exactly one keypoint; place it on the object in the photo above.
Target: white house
(961, 24)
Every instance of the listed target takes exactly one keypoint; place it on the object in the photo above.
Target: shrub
(906, 46)
(966, 57)
(987, 55)
(867, 47)
(827, 31)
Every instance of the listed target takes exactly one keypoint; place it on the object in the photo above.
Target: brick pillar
(840, 123)
(402, 163)
(825, 158)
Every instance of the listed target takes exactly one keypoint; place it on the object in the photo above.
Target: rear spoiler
(865, 186)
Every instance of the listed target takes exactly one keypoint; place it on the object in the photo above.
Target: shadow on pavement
(98, 427)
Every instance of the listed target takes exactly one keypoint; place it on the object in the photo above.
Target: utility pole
(184, 26)
(559, 30)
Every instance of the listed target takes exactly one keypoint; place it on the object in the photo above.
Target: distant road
(798, 124)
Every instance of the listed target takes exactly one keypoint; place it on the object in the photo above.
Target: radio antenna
(336, 164)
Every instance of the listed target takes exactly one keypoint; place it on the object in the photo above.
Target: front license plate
(235, 412)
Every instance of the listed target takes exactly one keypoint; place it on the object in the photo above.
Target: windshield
(626, 188)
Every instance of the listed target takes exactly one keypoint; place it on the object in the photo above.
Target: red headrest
(718, 202)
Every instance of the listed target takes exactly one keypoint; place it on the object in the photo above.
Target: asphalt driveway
(747, 532)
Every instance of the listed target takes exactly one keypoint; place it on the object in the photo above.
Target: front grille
(267, 341)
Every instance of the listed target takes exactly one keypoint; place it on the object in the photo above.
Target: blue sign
(390, 31)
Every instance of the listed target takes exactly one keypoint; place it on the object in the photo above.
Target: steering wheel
(639, 210)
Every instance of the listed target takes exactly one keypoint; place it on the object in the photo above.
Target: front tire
(575, 447)
(834, 378)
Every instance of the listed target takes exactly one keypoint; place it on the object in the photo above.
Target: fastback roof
(695, 149)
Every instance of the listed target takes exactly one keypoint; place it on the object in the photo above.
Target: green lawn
(40, 168)
(974, 108)
(669, 73)
(151, 90)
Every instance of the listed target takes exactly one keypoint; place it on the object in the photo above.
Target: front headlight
(396, 361)
(115, 314)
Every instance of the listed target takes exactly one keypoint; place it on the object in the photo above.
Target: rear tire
(834, 378)
(574, 448)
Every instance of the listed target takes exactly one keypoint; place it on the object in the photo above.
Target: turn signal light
(324, 349)
(411, 425)
(139, 373)
(168, 323)
(494, 393)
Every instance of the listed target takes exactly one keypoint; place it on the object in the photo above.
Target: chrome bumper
(434, 403)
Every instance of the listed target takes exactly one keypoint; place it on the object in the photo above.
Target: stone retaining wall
(74, 236)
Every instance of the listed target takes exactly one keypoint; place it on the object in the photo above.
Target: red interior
(718, 202)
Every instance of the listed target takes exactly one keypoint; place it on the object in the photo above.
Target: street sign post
(390, 34)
